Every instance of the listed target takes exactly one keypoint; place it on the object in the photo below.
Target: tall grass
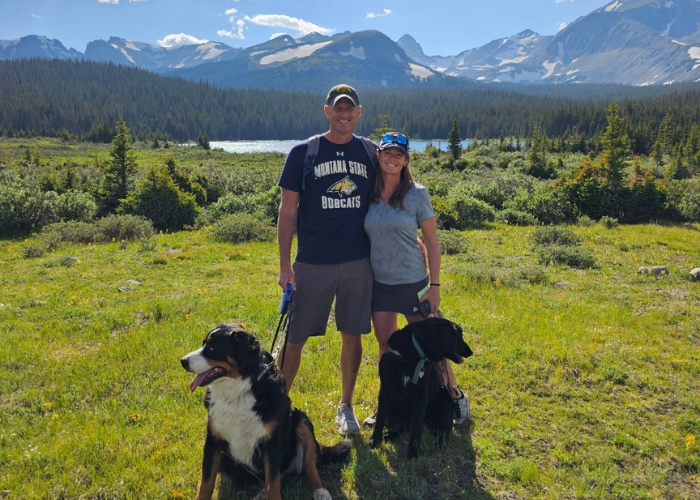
(584, 382)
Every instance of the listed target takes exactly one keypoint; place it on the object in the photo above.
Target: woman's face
(392, 161)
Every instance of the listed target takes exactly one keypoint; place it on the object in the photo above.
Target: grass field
(585, 384)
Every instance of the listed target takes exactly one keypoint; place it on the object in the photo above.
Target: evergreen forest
(83, 100)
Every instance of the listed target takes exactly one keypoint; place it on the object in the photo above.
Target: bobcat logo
(343, 187)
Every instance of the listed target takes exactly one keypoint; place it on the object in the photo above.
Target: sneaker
(347, 423)
(371, 420)
(460, 411)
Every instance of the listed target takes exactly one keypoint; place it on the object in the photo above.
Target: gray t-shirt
(393, 233)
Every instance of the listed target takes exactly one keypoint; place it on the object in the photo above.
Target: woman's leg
(385, 323)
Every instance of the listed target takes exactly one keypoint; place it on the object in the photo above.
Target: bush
(516, 217)
(445, 213)
(554, 236)
(159, 199)
(33, 250)
(471, 213)
(124, 227)
(451, 242)
(567, 255)
(239, 228)
(72, 231)
(76, 206)
(609, 222)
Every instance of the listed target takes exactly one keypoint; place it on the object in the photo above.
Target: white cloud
(287, 22)
(561, 26)
(180, 39)
(117, 1)
(372, 15)
(238, 26)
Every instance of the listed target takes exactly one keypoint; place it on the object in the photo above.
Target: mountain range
(631, 42)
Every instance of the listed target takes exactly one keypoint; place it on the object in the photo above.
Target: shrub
(239, 228)
(33, 250)
(451, 242)
(551, 235)
(72, 231)
(159, 199)
(565, 255)
(445, 213)
(609, 222)
(124, 227)
(471, 213)
(77, 206)
(516, 217)
(584, 221)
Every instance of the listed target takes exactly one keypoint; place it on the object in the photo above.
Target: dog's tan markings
(232, 369)
(306, 438)
(206, 486)
(269, 429)
(273, 487)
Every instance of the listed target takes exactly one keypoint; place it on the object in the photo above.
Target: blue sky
(441, 27)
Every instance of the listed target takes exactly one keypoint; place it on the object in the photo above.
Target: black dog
(410, 393)
(253, 429)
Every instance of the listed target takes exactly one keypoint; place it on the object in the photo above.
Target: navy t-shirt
(333, 205)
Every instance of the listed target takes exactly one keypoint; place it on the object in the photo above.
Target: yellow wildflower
(48, 406)
(54, 416)
(690, 441)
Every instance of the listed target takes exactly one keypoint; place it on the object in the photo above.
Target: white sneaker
(460, 411)
(347, 423)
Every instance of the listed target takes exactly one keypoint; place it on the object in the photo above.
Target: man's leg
(289, 360)
(350, 359)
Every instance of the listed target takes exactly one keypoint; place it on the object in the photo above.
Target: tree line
(83, 99)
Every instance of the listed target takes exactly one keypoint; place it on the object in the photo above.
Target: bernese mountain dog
(253, 432)
(410, 390)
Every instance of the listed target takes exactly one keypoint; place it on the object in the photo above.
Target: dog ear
(247, 351)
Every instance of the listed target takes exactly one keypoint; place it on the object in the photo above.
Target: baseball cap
(394, 140)
(342, 91)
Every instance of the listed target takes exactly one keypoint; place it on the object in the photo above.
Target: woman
(398, 207)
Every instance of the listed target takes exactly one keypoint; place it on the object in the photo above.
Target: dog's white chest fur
(232, 417)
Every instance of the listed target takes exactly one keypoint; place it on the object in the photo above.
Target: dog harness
(421, 363)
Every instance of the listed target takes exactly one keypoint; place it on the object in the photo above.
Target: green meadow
(585, 383)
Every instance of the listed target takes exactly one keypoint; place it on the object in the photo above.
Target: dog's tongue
(199, 379)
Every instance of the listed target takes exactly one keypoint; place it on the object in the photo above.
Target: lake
(286, 146)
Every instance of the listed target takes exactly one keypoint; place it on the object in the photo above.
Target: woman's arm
(429, 229)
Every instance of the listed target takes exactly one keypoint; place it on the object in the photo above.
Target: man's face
(343, 116)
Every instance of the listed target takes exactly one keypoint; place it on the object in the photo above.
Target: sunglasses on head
(397, 138)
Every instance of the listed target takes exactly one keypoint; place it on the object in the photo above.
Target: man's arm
(285, 234)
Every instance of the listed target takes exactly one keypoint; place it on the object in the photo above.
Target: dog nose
(185, 363)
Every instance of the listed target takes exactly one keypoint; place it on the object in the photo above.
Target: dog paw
(374, 443)
(262, 495)
(322, 494)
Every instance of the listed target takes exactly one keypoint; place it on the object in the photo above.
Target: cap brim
(342, 96)
(388, 145)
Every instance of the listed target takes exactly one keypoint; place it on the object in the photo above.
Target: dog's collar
(423, 359)
(267, 369)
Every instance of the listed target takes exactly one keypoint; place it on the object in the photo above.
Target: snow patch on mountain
(420, 71)
(293, 53)
(356, 52)
(210, 50)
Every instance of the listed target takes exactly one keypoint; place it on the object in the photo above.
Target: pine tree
(119, 169)
(454, 142)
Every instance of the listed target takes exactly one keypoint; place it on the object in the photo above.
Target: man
(328, 205)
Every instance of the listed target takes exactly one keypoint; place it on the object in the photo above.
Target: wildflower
(690, 441)
(54, 416)
(497, 282)
(113, 239)
(47, 406)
